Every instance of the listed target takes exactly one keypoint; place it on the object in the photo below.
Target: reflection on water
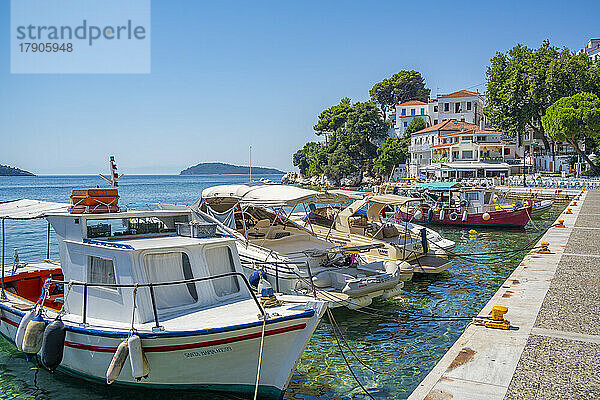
(400, 340)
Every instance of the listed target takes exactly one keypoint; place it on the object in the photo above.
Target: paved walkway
(554, 306)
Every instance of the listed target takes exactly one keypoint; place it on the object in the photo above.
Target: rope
(62, 309)
(262, 341)
(346, 360)
(132, 330)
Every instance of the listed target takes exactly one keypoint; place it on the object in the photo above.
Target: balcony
(418, 147)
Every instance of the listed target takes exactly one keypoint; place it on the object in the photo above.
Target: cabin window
(220, 261)
(100, 270)
(472, 196)
(169, 267)
(487, 198)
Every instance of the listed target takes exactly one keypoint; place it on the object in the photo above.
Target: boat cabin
(137, 247)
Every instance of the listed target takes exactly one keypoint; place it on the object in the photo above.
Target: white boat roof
(160, 242)
(391, 199)
(270, 195)
(30, 209)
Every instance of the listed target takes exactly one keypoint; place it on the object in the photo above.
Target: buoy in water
(53, 345)
(472, 232)
(486, 216)
(139, 367)
(117, 362)
(34, 334)
(21, 329)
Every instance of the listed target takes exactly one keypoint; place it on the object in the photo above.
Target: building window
(446, 107)
(404, 111)
(422, 111)
(405, 124)
(506, 152)
(468, 106)
(412, 111)
(435, 108)
(100, 270)
(527, 136)
(435, 121)
(456, 107)
(467, 154)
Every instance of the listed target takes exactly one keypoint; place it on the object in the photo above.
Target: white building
(592, 49)
(464, 105)
(456, 149)
(406, 112)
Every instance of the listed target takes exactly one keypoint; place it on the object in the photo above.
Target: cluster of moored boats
(224, 294)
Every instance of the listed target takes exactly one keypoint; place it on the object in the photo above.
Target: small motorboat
(361, 223)
(294, 258)
(151, 300)
(537, 210)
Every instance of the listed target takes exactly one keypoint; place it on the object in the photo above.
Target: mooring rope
(346, 360)
(260, 353)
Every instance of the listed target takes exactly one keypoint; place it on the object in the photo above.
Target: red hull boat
(500, 218)
(450, 204)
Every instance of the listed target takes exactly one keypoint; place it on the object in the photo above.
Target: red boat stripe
(8, 321)
(187, 346)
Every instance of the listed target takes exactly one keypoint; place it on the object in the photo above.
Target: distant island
(227, 169)
(5, 170)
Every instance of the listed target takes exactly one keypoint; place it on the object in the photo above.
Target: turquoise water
(402, 343)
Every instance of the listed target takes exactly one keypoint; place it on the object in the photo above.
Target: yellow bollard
(544, 249)
(574, 203)
(498, 313)
(568, 211)
(561, 223)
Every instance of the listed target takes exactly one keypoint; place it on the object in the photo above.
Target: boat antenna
(113, 180)
(250, 164)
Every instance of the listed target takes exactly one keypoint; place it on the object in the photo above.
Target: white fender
(442, 215)
(34, 334)
(136, 357)
(116, 364)
(21, 329)
(418, 215)
(464, 216)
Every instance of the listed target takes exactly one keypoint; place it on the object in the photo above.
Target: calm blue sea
(402, 343)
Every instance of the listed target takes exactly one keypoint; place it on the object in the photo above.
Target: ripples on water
(403, 349)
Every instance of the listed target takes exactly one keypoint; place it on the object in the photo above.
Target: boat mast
(114, 175)
(250, 163)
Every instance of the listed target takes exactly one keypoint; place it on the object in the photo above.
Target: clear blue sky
(227, 75)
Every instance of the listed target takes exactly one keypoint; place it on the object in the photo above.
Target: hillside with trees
(6, 170)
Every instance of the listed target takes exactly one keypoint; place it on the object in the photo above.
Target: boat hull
(499, 218)
(223, 359)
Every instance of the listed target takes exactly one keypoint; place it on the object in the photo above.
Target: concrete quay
(553, 348)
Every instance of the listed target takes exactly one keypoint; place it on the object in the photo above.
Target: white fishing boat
(147, 299)
(293, 258)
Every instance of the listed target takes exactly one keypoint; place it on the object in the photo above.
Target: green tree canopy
(573, 119)
(415, 125)
(303, 157)
(334, 118)
(523, 82)
(391, 154)
(400, 87)
(351, 144)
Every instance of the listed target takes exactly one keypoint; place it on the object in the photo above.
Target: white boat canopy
(268, 195)
(29, 209)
